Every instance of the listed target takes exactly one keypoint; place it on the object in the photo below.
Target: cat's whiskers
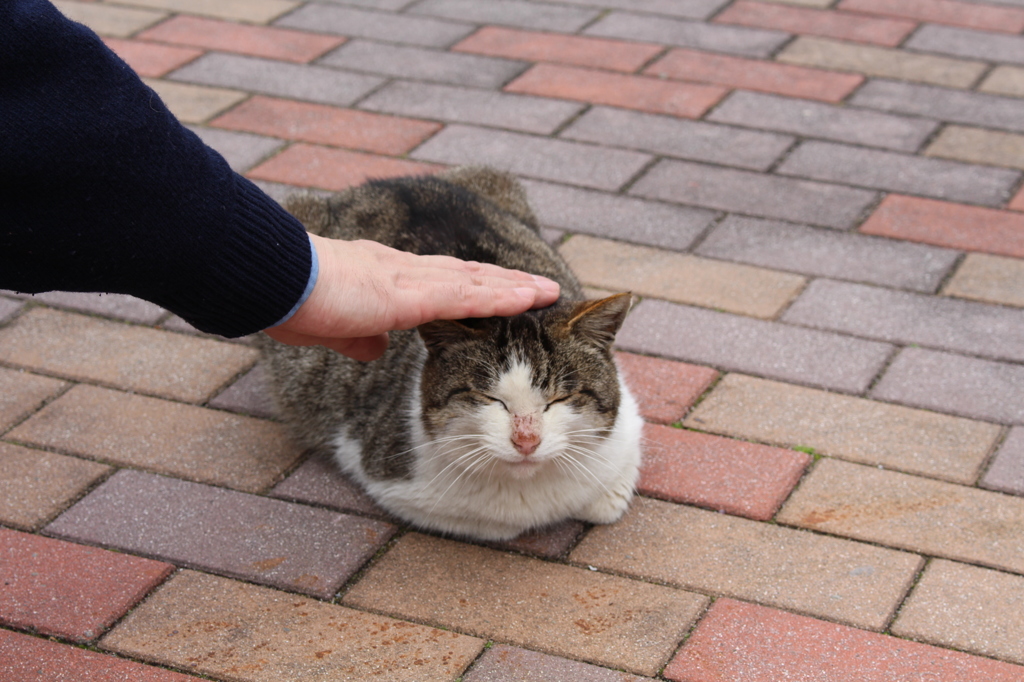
(580, 466)
(436, 441)
(482, 457)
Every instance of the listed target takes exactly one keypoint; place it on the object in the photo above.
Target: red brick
(147, 59)
(24, 658)
(943, 223)
(664, 389)
(333, 169)
(534, 46)
(743, 642)
(968, 15)
(754, 74)
(1017, 203)
(324, 124)
(816, 22)
(745, 479)
(257, 41)
(618, 90)
(72, 591)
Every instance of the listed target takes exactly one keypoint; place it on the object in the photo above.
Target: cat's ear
(598, 321)
(440, 333)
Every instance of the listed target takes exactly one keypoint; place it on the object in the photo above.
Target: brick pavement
(820, 203)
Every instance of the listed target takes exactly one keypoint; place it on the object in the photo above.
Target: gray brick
(463, 105)
(118, 306)
(827, 253)
(618, 217)
(503, 663)
(769, 196)
(693, 140)
(753, 346)
(686, 9)
(965, 42)
(545, 159)
(901, 317)
(360, 23)
(957, 106)
(248, 395)
(266, 541)
(319, 481)
(403, 61)
(390, 5)
(878, 169)
(1007, 471)
(241, 150)
(717, 38)
(8, 307)
(312, 83)
(815, 119)
(535, 15)
(945, 382)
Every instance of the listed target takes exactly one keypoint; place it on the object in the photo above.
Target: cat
(483, 428)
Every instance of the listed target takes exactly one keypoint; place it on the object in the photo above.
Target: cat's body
(484, 428)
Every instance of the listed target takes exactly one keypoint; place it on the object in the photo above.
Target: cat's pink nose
(525, 443)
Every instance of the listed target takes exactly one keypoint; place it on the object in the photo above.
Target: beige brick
(250, 11)
(22, 393)
(882, 61)
(680, 277)
(837, 579)
(169, 438)
(107, 20)
(1004, 80)
(968, 608)
(549, 607)
(975, 145)
(803, 3)
(129, 357)
(236, 631)
(194, 103)
(994, 279)
(851, 428)
(36, 485)
(909, 512)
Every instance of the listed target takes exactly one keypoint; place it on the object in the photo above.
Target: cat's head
(512, 395)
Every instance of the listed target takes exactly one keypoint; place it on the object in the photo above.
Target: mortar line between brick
(990, 459)
(882, 369)
(914, 581)
(46, 401)
(687, 635)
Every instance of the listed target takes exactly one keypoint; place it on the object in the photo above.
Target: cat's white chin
(524, 468)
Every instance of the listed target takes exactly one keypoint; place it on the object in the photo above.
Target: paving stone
(903, 317)
(271, 77)
(194, 103)
(976, 145)
(1004, 80)
(250, 11)
(292, 546)
(231, 630)
(731, 476)
(536, 15)
(882, 62)
(850, 428)
(389, 5)
(1017, 203)
(32, 659)
(552, 608)
(149, 59)
(176, 324)
(320, 481)
(322, 124)
(744, 344)
(947, 224)
(256, 41)
(811, 119)
(391, 28)
(308, 165)
(179, 440)
(502, 663)
(22, 393)
(693, 140)
(618, 90)
(827, 253)
(965, 42)
(909, 512)
(536, 46)
(108, 20)
(838, 579)
(67, 590)
(550, 542)
(746, 642)
(617, 217)
(404, 61)
(679, 277)
(128, 357)
(770, 196)
(248, 395)
(8, 308)
(1007, 471)
(756, 74)
(804, 3)
(665, 390)
(465, 105)
(690, 9)
(241, 150)
(120, 306)
(747, 42)
(544, 159)
(955, 384)
(972, 108)
(890, 171)
(816, 22)
(966, 14)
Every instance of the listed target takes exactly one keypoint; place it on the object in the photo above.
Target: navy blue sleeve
(102, 189)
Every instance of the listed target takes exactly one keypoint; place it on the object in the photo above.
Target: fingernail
(545, 283)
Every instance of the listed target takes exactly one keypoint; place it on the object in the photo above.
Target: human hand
(366, 289)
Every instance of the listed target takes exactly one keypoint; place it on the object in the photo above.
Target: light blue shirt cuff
(314, 272)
